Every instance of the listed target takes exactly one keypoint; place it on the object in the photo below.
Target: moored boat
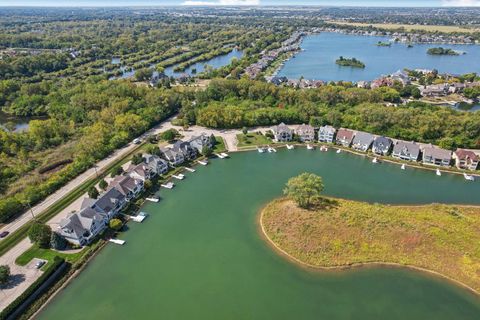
(438, 172)
(309, 147)
(179, 176)
(271, 149)
(261, 149)
(403, 167)
(168, 185)
(375, 160)
(339, 150)
(468, 177)
(290, 147)
(323, 148)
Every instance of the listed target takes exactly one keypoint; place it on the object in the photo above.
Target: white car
(137, 141)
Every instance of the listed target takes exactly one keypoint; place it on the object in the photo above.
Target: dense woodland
(88, 116)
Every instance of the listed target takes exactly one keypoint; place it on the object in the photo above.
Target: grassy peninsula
(350, 62)
(340, 233)
(442, 52)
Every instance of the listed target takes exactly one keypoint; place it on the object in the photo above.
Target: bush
(117, 171)
(58, 242)
(115, 224)
(93, 192)
(4, 274)
(40, 234)
(103, 184)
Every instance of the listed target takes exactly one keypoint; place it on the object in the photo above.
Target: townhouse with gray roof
(382, 145)
(174, 158)
(362, 141)
(141, 171)
(128, 186)
(186, 149)
(202, 141)
(155, 163)
(326, 134)
(110, 203)
(80, 228)
(282, 133)
(436, 156)
(305, 133)
(405, 150)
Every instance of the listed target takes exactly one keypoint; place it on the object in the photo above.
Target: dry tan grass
(441, 238)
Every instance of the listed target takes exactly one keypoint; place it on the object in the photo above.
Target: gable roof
(437, 153)
(406, 147)
(281, 128)
(109, 200)
(345, 134)
(463, 154)
(363, 138)
(382, 142)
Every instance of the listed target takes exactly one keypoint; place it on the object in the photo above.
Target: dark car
(4, 234)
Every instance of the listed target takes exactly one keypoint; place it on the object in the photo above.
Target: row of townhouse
(364, 141)
(81, 227)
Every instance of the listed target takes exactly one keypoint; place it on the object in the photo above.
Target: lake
(199, 255)
(317, 60)
(19, 123)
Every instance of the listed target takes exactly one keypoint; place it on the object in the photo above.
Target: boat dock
(139, 218)
(117, 241)
(178, 176)
(189, 169)
(168, 185)
(152, 199)
(203, 162)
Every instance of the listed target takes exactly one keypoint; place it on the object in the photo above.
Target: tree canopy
(305, 189)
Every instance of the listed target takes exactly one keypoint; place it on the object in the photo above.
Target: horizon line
(233, 6)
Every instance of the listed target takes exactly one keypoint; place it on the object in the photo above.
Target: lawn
(219, 145)
(252, 139)
(407, 27)
(47, 254)
(439, 238)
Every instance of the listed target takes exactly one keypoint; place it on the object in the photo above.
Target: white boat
(403, 166)
(290, 147)
(468, 177)
(375, 160)
(271, 149)
(339, 150)
(323, 148)
(190, 169)
(153, 199)
(168, 185)
(179, 176)
(221, 156)
(203, 162)
(438, 172)
(225, 155)
(309, 147)
(117, 241)
(260, 149)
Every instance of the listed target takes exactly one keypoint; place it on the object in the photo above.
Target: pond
(199, 255)
(18, 124)
(215, 63)
(317, 60)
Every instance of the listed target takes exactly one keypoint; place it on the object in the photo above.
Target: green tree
(137, 158)
(148, 184)
(4, 274)
(305, 189)
(58, 242)
(115, 224)
(40, 234)
(207, 151)
(103, 184)
(93, 192)
(117, 171)
(169, 135)
(143, 74)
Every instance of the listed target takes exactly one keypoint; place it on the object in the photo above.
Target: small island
(442, 52)
(325, 232)
(384, 44)
(347, 62)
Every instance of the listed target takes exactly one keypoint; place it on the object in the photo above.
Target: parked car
(137, 141)
(4, 234)
(39, 264)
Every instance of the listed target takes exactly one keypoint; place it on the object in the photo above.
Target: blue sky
(386, 3)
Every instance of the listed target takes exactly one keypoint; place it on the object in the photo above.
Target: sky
(378, 3)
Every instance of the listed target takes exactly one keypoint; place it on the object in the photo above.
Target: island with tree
(384, 44)
(350, 62)
(325, 232)
(440, 51)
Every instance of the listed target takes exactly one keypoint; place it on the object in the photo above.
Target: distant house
(173, 157)
(80, 228)
(456, 87)
(402, 77)
(434, 90)
(186, 149)
(344, 137)
(405, 150)
(305, 133)
(363, 84)
(157, 164)
(201, 141)
(128, 186)
(110, 203)
(326, 134)
(362, 141)
(381, 146)
(282, 133)
(436, 156)
(466, 159)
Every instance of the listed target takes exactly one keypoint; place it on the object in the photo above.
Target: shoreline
(341, 268)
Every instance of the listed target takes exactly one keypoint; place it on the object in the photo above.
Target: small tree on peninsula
(305, 189)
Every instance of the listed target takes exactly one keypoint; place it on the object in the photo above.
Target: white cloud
(461, 3)
(222, 3)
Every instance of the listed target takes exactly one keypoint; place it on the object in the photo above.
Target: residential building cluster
(81, 227)
(379, 145)
(291, 44)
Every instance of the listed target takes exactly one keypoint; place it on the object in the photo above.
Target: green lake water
(199, 254)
